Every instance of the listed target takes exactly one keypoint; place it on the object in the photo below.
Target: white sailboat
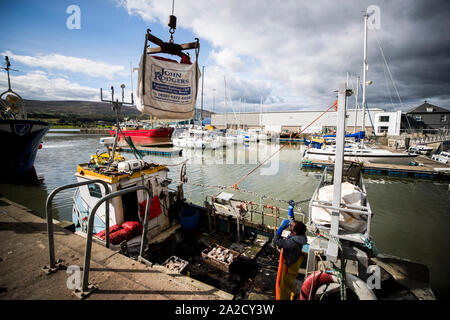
(360, 152)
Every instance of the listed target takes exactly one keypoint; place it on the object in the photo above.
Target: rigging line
(231, 104)
(353, 86)
(270, 157)
(390, 74)
(173, 5)
(388, 69)
(388, 91)
(370, 118)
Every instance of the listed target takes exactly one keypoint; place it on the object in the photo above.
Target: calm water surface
(412, 217)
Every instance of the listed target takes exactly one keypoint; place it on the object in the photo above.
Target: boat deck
(427, 168)
(24, 252)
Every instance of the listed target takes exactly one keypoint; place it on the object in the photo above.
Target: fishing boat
(162, 132)
(21, 138)
(341, 215)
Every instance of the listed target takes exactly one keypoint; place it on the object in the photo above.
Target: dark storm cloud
(301, 50)
(418, 52)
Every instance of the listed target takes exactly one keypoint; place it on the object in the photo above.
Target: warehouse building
(294, 121)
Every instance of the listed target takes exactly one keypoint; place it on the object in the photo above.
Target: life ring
(321, 278)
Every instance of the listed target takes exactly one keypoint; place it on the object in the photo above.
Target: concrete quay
(24, 251)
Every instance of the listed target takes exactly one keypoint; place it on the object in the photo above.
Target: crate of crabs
(175, 264)
(220, 257)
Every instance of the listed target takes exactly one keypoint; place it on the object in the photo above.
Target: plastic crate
(222, 265)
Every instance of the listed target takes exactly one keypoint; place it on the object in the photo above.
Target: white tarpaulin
(350, 195)
(170, 89)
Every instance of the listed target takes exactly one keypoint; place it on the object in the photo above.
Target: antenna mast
(366, 16)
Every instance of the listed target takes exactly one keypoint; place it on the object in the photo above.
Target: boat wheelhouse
(128, 207)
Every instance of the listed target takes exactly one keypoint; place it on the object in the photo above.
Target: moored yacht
(358, 154)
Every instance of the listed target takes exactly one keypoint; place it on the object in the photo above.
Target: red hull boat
(149, 133)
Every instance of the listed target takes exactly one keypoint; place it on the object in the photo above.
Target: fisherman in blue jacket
(292, 252)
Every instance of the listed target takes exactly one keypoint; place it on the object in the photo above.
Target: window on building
(418, 118)
(430, 109)
(384, 118)
(383, 129)
(444, 118)
(95, 191)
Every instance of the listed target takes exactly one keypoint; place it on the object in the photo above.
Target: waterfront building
(293, 121)
(427, 118)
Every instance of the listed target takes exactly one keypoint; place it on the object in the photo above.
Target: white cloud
(227, 59)
(73, 64)
(38, 85)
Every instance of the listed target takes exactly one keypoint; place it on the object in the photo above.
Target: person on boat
(292, 252)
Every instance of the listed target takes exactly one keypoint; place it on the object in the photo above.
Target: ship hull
(20, 143)
(150, 133)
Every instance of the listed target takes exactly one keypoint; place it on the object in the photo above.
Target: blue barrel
(189, 219)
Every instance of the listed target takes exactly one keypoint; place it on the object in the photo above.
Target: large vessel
(163, 132)
(21, 138)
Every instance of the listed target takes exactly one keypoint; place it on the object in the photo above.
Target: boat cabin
(129, 206)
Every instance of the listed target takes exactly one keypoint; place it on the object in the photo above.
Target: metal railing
(261, 209)
(87, 255)
(49, 215)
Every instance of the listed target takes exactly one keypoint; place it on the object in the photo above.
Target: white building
(388, 123)
(295, 120)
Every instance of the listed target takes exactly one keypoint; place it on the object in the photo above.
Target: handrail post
(55, 265)
(144, 232)
(86, 288)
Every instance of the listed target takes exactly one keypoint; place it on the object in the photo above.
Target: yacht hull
(401, 159)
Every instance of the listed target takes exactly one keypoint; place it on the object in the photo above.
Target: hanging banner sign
(170, 88)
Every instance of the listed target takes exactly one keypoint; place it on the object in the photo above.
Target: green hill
(81, 113)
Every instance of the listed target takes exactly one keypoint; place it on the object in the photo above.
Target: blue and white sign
(170, 89)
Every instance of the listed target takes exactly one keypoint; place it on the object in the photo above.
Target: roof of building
(425, 107)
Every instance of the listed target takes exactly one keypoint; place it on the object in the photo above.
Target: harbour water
(411, 219)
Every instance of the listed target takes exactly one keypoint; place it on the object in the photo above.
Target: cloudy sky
(292, 53)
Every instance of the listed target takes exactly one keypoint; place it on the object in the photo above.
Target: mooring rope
(235, 186)
(224, 187)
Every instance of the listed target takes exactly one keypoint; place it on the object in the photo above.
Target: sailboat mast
(260, 113)
(201, 110)
(240, 119)
(364, 73)
(356, 104)
(226, 108)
